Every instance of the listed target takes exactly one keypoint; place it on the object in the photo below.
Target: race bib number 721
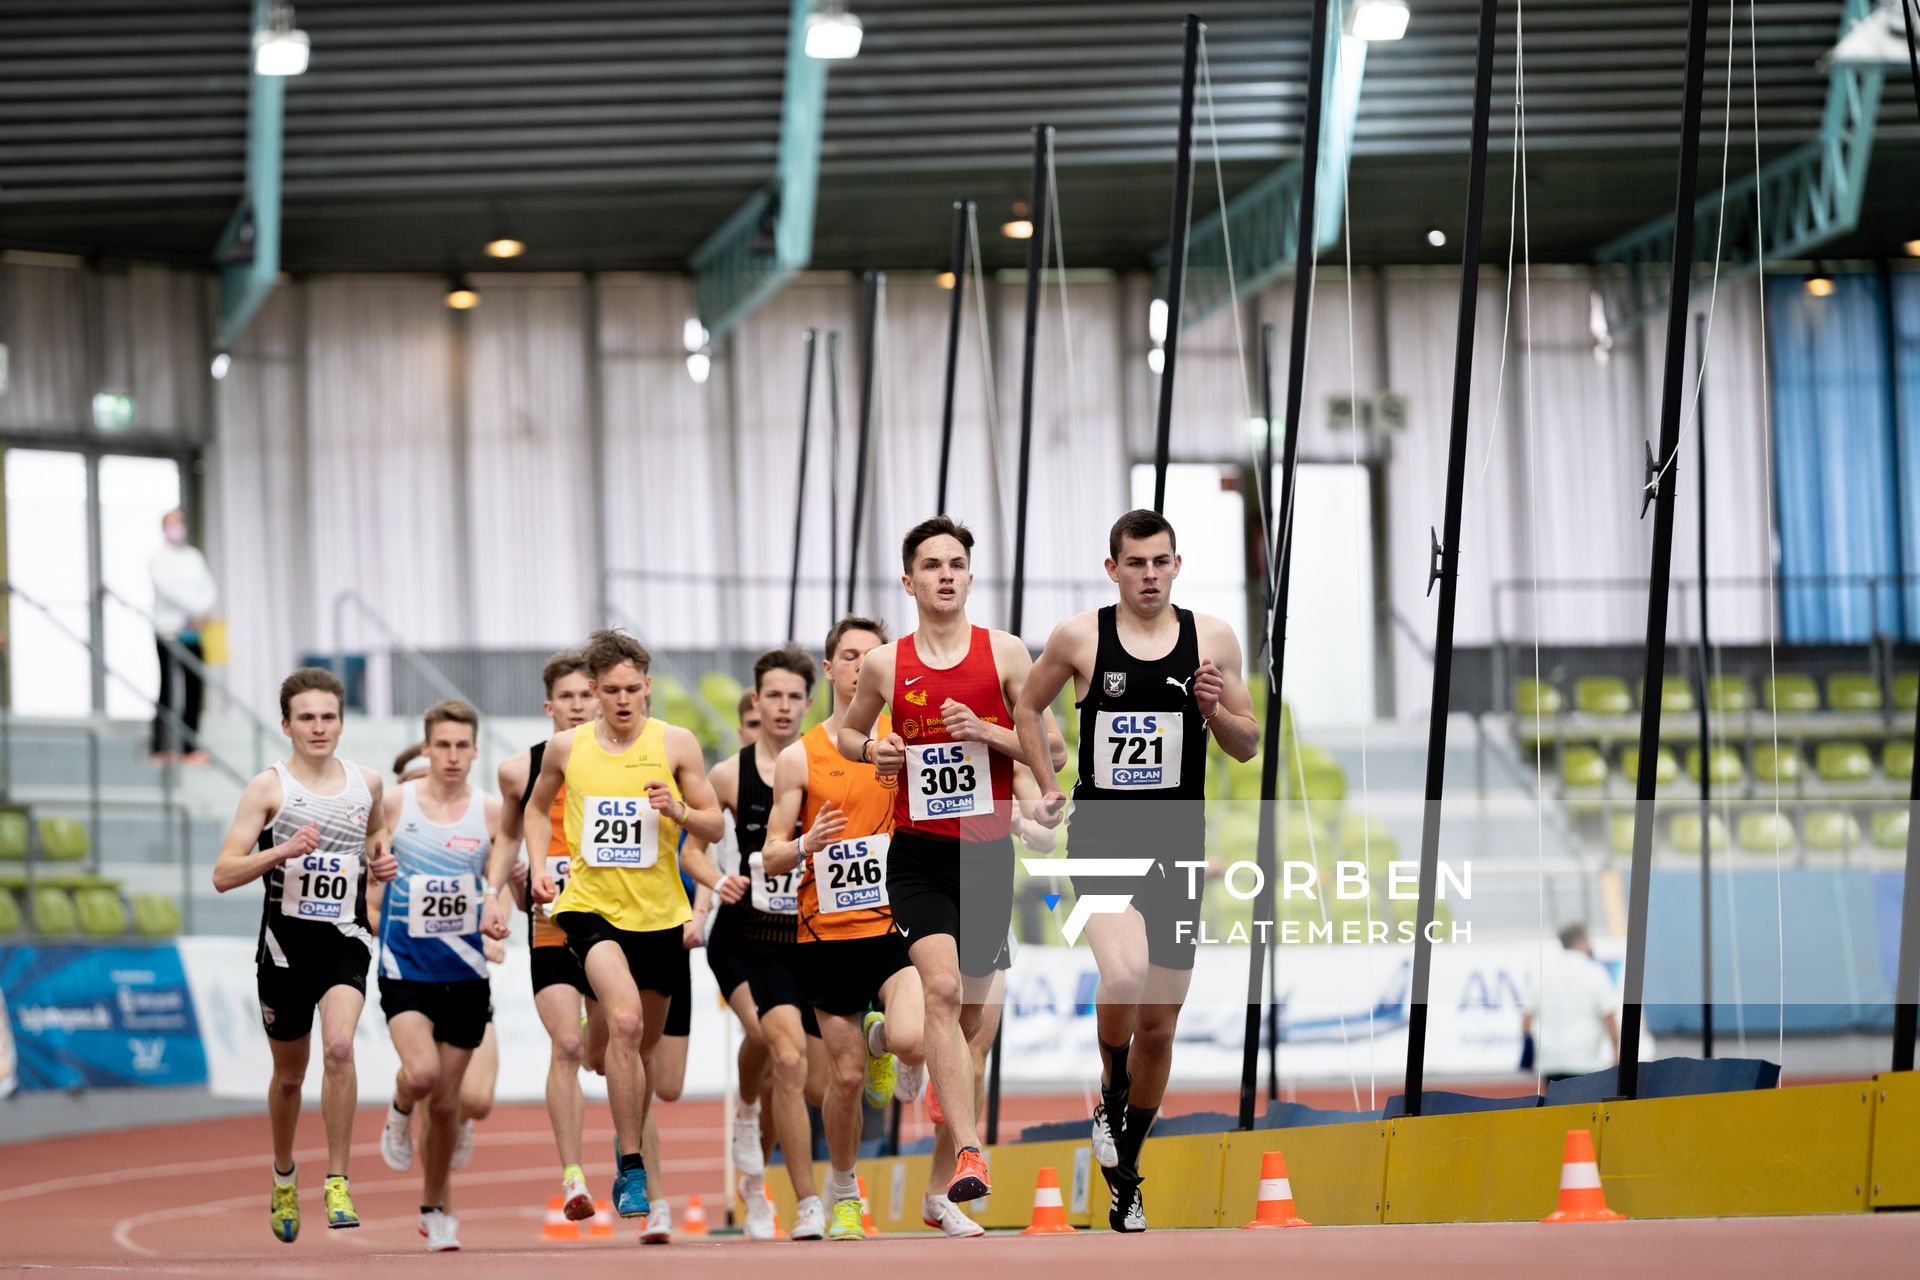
(320, 886)
(619, 831)
(948, 780)
(1138, 750)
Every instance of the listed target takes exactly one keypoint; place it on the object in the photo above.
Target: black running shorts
(843, 976)
(1132, 829)
(964, 890)
(680, 1000)
(288, 996)
(655, 957)
(554, 964)
(459, 1011)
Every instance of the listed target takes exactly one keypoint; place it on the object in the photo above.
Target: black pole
(1446, 567)
(876, 282)
(833, 474)
(800, 496)
(1673, 389)
(1706, 774)
(957, 268)
(1906, 982)
(1182, 220)
(1282, 558)
(1913, 64)
(1266, 461)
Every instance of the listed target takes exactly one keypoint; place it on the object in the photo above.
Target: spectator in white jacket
(183, 600)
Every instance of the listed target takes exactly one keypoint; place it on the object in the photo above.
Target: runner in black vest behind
(1152, 681)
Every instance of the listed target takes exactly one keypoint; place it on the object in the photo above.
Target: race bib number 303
(320, 886)
(851, 875)
(776, 895)
(619, 831)
(1138, 750)
(442, 906)
(948, 780)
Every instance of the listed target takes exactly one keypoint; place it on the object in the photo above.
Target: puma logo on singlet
(1181, 685)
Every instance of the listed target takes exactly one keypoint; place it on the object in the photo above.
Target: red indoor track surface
(191, 1200)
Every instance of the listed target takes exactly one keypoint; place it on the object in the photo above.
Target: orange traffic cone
(866, 1209)
(600, 1226)
(1275, 1207)
(773, 1209)
(1581, 1199)
(1049, 1211)
(694, 1223)
(557, 1227)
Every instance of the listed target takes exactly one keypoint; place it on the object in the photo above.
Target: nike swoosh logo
(913, 680)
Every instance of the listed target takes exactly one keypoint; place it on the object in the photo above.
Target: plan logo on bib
(1088, 905)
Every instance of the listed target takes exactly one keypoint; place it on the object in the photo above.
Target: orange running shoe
(969, 1180)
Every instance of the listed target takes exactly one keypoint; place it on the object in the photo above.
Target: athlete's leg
(483, 1073)
(419, 1073)
(340, 1088)
(1119, 944)
(936, 956)
(443, 1122)
(905, 1006)
(787, 1077)
(818, 1070)
(980, 1019)
(283, 1098)
(653, 1016)
(559, 1009)
(620, 1000)
(1163, 994)
(669, 1073)
(846, 1050)
(595, 1051)
(752, 1058)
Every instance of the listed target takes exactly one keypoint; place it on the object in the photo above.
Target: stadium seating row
(1790, 692)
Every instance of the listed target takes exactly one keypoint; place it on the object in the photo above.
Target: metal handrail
(262, 731)
(398, 646)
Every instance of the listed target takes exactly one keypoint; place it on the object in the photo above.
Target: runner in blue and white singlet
(430, 922)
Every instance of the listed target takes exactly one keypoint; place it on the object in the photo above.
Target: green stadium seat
(1853, 691)
(1897, 760)
(1243, 780)
(721, 692)
(1781, 766)
(1536, 697)
(1832, 830)
(1843, 762)
(1326, 781)
(9, 914)
(1666, 770)
(1602, 696)
(1727, 771)
(1620, 834)
(1758, 832)
(1729, 695)
(100, 913)
(1676, 695)
(1685, 832)
(53, 912)
(1791, 693)
(1906, 690)
(1582, 768)
(1888, 828)
(155, 915)
(63, 839)
(13, 835)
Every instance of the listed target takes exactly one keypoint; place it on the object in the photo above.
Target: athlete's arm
(1063, 658)
(539, 815)
(513, 780)
(241, 861)
(388, 808)
(781, 853)
(382, 866)
(1037, 836)
(887, 754)
(699, 808)
(494, 921)
(1221, 691)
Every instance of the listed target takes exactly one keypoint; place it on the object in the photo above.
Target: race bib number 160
(320, 886)
(619, 831)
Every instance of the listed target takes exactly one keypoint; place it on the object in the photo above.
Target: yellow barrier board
(1487, 1166)
(1337, 1171)
(1770, 1151)
(1896, 1141)
(1182, 1183)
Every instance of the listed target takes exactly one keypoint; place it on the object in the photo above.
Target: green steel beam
(247, 274)
(1807, 197)
(1262, 222)
(770, 240)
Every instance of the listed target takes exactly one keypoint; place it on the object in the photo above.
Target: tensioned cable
(990, 389)
(1060, 257)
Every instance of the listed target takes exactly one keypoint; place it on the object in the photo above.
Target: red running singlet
(935, 779)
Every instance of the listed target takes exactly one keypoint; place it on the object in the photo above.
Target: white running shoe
(396, 1140)
(659, 1225)
(938, 1211)
(909, 1082)
(1106, 1148)
(443, 1231)
(759, 1224)
(747, 1156)
(809, 1220)
(463, 1145)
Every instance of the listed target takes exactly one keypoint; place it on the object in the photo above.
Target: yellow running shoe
(846, 1221)
(882, 1072)
(284, 1215)
(340, 1205)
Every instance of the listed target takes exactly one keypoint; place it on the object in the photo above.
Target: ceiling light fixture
(1374, 20)
(1437, 238)
(1820, 283)
(221, 363)
(1913, 248)
(1018, 229)
(1157, 320)
(833, 34)
(693, 334)
(505, 247)
(280, 48)
(944, 279)
(699, 365)
(1157, 359)
(463, 296)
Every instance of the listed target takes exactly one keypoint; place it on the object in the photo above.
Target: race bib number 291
(619, 831)
(948, 780)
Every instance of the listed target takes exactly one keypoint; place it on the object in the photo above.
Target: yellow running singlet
(625, 862)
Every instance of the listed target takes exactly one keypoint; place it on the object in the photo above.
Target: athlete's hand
(381, 863)
(1208, 685)
(1032, 835)
(304, 842)
(661, 797)
(495, 950)
(889, 755)
(827, 825)
(493, 921)
(961, 724)
(690, 933)
(1051, 810)
(732, 888)
(543, 888)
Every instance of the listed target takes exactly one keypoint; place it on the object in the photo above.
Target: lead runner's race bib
(948, 780)
(560, 868)
(776, 895)
(320, 886)
(851, 875)
(442, 906)
(1138, 750)
(619, 831)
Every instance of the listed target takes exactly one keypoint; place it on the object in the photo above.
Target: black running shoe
(1126, 1211)
(1109, 1120)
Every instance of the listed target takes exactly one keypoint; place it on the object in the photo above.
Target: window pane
(47, 561)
